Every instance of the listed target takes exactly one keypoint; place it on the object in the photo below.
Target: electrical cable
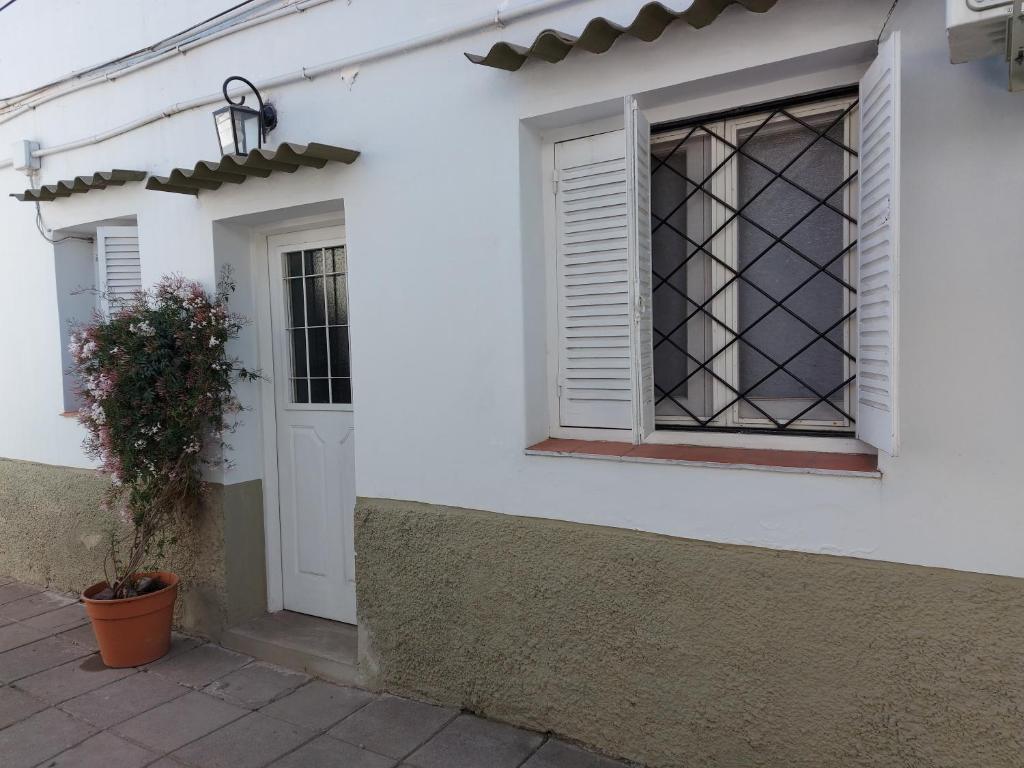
(8, 100)
(886, 22)
(44, 231)
(8, 3)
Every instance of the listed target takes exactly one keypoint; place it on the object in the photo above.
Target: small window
(316, 295)
(754, 232)
(98, 268)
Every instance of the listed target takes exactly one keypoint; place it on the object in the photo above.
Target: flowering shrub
(155, 388)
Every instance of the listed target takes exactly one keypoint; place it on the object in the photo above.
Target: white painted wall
(444, 238)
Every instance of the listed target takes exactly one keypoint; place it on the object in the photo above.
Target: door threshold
(316, 646)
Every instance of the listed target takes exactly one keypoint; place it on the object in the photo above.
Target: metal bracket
(1015, 47)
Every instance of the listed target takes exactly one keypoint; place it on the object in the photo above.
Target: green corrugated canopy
(599, 34)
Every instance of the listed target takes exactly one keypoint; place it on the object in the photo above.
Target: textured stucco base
(53, 532)
(683, 653)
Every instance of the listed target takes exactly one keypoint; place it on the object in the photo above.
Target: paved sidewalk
(207, 707)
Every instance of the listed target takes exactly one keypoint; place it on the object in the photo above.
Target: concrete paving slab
(472, 742)
(319, 705)
(252, 742)
(72, 679)
(16, 591)
(123, 699)
(16, 705)
(199, 666)
(256, 685)
(104, 750)
(60, 620)
(558, 754)
(35, 657)
(14, 635)
(40, 737)
(33, 605)
(392, 726)
(172, 725)
(326, 752)
(82, 636)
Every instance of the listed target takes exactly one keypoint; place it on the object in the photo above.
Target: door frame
(260, 265)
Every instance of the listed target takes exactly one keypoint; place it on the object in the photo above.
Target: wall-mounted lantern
(241, 129)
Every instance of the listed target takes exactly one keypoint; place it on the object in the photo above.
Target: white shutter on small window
(119, 265)
(593, 283)
(877, 246)
(638, 161)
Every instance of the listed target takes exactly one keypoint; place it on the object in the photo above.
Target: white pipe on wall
(499, 18)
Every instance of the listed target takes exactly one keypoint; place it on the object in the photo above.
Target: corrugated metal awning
(233, 169)
(599, 34)
(101, 180)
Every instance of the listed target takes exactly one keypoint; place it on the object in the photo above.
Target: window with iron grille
(754, 227)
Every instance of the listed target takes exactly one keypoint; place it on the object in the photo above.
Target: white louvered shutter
(638, 163)
(119, 264)
(878, 247)
(593, 282)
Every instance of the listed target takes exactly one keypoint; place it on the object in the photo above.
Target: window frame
(839, 443)
(724, 186)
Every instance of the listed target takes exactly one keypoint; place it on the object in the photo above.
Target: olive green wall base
(683, 653)
(54, 532)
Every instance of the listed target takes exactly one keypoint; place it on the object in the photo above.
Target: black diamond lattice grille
(754, 229)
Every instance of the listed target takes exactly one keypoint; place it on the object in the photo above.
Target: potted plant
(155, 384)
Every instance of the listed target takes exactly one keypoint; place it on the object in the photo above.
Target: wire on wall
(46, 232)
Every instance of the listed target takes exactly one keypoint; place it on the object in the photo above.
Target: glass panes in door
(316, 295)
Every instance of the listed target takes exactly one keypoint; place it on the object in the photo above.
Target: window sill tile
(807, 462)
(69, 414)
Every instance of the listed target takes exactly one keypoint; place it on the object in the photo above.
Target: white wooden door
(315, 431)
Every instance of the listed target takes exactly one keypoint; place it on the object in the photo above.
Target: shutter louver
(593, 281)
(638, 153)
(877, 246)
(120, 266)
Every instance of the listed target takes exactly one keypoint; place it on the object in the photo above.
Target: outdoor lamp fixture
(241, 129)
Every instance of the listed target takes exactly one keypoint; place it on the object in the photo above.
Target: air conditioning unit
(978, 29)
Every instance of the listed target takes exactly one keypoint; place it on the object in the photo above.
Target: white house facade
(649, 381)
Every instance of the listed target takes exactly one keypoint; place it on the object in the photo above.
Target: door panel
(315, 428)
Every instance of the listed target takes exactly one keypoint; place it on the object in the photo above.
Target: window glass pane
(300, 392)
(314, 262)
(315, 307)
(298, 352)
(296, 303)
(339, 351)
(341, 391)
(337, 300)
(813, 234)
(293, 264)
(319, 391)
(317, 352)
(336, 261)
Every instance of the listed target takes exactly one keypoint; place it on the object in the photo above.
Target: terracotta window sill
(69, 414)
(816, 462)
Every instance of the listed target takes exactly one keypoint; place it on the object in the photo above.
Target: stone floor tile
(16, 591)
(252, 742)
(104, 750)
(199, 666)
(16, 705)
(33, 605)
(256, 685)
(165, 762)
(392, 726)
(326, 752)
(35, 657)
(472, 742)
(83, 636)
(13, 635)
(40, 737)
(179, 644)
(124, 699)
(60, 620)
(318, 705)
(71, 679)
(558, 754)
(176, 723)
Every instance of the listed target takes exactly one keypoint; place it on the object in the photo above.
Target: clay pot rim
(124, 600)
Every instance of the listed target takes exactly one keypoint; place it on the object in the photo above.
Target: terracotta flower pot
(136, 630)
